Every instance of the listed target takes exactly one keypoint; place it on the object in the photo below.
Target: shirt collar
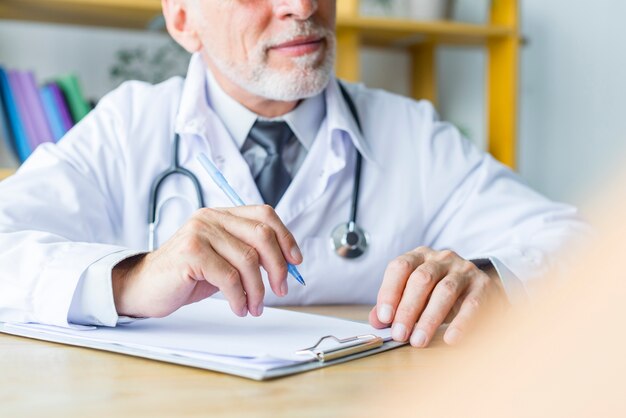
(305, 120)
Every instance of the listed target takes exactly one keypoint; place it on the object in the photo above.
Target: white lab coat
(85, 200)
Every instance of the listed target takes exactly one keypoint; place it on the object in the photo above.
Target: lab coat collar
(340, 119)
(194, 111)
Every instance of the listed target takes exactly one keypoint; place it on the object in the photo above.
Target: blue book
(15, 122)
(8, 153)
(53, 113)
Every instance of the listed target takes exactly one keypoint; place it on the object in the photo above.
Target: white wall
(572, 116)
(573, 119)
(51, 50)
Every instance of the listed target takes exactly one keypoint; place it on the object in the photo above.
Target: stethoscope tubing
(175, 168)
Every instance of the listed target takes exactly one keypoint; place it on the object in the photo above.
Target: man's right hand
(216, 250)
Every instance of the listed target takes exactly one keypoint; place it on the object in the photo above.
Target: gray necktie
(273, 179)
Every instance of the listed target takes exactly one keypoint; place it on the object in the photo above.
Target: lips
(299, 42)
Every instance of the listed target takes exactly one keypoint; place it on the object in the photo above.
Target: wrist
(122, 276)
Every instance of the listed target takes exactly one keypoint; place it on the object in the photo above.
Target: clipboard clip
(347, 347)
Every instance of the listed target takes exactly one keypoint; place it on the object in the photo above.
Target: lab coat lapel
(326, 157)
(339, 135)
(202, 130)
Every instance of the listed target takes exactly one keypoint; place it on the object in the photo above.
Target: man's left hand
(424, 288)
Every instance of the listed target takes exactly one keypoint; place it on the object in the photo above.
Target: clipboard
(277, 333)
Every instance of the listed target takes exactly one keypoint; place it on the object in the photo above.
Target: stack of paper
(208, 335)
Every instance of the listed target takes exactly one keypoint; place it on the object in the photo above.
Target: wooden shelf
(129, 14)
(137, 14)
(404, 33)
(6, 172)
(500, 38)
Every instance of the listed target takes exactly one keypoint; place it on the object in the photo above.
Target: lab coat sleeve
(59, 215)
(92, 303)
(481, 209)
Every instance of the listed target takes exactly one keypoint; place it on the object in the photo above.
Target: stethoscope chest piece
(349, 241)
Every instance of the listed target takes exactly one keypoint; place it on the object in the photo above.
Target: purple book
(22, 108)
(61, 105)
(38, 114)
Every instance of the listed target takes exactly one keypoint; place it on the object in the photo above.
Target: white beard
(309, 78)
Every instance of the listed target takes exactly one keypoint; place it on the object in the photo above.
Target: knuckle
(266, 211)
(206, 213)
(424, 277)
(447, 255)
(474, 302)
(193, 244)
(405, 311)
(250, 256)
(282, 270)
(449, 287)
(263, 231)
(429, 322)
(231, 278)
(466, 267)
(422, 249)
(287, 236)
(194, 224)
(401, 265)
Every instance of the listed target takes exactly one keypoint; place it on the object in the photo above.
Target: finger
(454, 311)
(267, 215)
(415, 296)
(443, 297)
(466, 317)
(395, 278)
(245, 259)
(374, 321)
(221, 274)
(263, 238)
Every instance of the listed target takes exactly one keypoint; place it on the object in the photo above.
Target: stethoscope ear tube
(349, 240)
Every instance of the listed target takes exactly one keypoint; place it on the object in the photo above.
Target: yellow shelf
(6, 172)
(137, 14)
(130, 14)
(403, 33)
(500, 38)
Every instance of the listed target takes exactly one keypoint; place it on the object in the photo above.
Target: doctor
(449, 229)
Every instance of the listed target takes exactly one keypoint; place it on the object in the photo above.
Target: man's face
(277, 49)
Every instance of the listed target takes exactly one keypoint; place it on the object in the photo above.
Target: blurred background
(569, 100)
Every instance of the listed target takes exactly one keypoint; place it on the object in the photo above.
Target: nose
(296, 9)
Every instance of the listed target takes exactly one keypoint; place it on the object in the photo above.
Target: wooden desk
(54, 380)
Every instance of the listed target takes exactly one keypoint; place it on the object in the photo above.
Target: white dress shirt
(305, 121)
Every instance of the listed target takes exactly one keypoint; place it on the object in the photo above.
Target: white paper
(208, 330)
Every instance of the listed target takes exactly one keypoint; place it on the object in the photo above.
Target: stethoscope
(348, 239)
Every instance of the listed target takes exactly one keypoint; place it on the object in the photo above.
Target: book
(15, 81)
(208, 335)
(36, 112)
(78, 106)
(61, 105)
(17, 128)
(8, 153)
(53, 113)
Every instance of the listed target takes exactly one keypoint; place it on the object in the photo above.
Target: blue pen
(219, 179)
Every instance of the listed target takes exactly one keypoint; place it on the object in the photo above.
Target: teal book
(79, 107)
